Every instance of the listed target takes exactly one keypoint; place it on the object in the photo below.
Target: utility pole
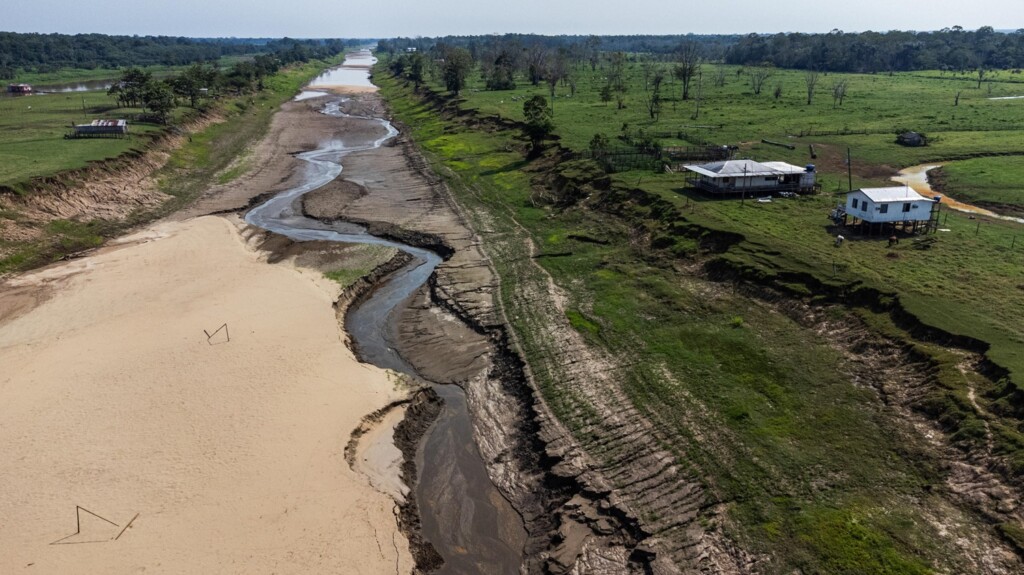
(743, 197)
(849, 171)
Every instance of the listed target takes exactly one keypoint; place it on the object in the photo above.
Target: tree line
(202, 82)
(50, 52)
(952, 49)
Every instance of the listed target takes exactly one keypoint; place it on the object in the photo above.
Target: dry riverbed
(226, 451)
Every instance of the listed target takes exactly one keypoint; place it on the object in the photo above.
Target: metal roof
(785, 168)
(744, 169)
(893, 194)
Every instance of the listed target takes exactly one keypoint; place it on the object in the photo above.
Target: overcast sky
(374, 19)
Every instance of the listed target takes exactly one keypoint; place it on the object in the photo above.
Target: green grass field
(969, 284)
(32, 143)
(214, 155)
(819, 475)
(992, 182)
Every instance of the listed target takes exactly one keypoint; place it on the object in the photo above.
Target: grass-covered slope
(769, 404)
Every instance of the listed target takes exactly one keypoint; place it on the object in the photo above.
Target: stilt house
(885, 210)
(735, 177)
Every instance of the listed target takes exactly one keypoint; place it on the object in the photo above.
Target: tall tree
(158, 97)
(457, 64)
(538, 122)
(195, 82)
(688, 59)
(129, 88)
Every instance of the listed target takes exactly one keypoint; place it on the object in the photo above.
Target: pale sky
(372, 19)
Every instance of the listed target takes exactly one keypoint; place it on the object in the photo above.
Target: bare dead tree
(760, 75)
(652, 95)
(811, 78)
(688, 61)
(700, 96)
(981, 75)
(719, 79)
(838, 92)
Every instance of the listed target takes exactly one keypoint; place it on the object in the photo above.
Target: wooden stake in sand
(209, 336)
(78, 526)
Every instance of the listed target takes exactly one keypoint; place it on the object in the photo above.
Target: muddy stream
(463, 515)
(916, 177)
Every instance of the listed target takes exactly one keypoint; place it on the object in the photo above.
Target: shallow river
(463, 515)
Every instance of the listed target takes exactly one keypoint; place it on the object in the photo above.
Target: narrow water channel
(916, 177)
(463, 515)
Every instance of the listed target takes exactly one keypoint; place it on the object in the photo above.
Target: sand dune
(231, 455)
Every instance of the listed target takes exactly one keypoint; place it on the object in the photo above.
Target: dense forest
(952, 49)
(713, 46)
(49, 52)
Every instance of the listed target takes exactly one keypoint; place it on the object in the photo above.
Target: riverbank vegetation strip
(790, 436)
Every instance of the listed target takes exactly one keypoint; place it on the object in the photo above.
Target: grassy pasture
(969, 284)
(769, 393)
(992, 182)
(208, 157)
(819, 475)
(33, 128)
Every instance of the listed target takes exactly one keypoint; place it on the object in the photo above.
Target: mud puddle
(917, 178)
(463, 515)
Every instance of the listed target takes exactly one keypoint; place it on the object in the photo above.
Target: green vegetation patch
(816, 474)
(994, 181)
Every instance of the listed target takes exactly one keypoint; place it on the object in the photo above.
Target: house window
(855, 203)
(906, 207)
(884, 208)
(864, 207)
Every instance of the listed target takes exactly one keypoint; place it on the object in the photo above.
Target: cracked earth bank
(575, 521)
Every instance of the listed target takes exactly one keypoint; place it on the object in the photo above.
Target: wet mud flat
(469, 527)
(571, 517)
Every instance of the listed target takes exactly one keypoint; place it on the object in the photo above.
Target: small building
(19, 88)
(911, 139)
(889, 209)
(101, 129)
(736, 177)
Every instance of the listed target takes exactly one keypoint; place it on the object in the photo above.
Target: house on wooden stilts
(877, 211)
(735, 178)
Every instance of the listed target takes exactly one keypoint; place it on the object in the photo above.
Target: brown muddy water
(917, 178)
(463, 515)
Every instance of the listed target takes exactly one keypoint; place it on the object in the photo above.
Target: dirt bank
(571, 520)
(117, 401)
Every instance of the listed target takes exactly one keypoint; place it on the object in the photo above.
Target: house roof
(736, 169)
(785, 168)
(892, 194)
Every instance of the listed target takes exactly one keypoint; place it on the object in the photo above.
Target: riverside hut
(101, 129)
(736, 177)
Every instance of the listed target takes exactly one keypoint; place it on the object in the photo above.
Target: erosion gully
(462, 513)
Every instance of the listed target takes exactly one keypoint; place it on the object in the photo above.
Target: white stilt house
(889, 209)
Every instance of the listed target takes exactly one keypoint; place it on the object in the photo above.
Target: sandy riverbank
(230, 455)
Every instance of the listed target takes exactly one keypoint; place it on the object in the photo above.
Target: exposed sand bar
(111, 398)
